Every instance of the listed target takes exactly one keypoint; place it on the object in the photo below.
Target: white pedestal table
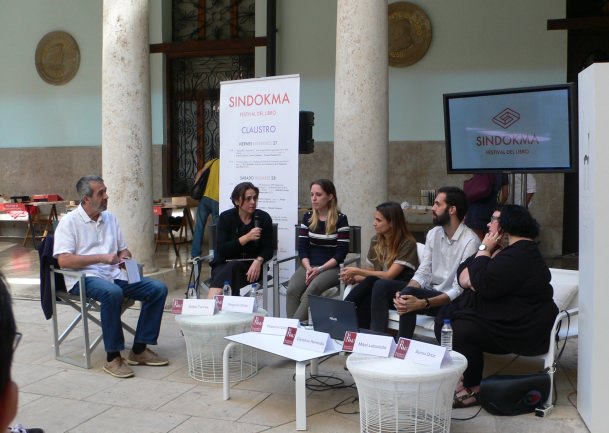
(397, 395)
(274, 344)
(205, 343)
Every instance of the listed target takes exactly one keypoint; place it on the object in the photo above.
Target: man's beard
(442, 219)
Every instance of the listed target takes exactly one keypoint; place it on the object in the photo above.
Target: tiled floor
(61, 398)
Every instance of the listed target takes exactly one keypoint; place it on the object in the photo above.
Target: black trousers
(383, 293)
(472, 340)
(234, 273)
(361, 295)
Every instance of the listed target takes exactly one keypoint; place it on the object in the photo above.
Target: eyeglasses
(17, 339)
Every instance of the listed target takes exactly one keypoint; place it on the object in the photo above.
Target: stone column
(361, 110)
(126, 123)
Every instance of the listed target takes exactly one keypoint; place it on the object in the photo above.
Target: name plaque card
(195, 307)
(257, 322)
(176, 305)
(369, 344)
(273, 325)
(422, 353)
(236, 304)
(307, 339)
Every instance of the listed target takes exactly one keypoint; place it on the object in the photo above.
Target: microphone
(256, 225)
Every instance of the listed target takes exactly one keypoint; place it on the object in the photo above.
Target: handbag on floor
(514, 394)
(518, 394)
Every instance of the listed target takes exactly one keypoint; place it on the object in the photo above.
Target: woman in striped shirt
(323, 243)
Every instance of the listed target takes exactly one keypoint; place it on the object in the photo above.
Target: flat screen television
(530, 129)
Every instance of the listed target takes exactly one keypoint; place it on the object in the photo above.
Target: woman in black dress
(507, 304)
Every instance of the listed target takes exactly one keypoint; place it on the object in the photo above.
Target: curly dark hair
(516, 220)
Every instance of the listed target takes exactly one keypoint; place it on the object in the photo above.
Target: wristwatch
(482, 247)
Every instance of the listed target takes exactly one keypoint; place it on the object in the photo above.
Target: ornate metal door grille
(209, 36)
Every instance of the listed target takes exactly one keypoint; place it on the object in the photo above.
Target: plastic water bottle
(446, 339)
(310, 321)
(227, 289)
(254, 291)
(254, 294)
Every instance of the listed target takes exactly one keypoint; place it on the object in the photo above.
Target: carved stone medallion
(409, 34)
(57, 58)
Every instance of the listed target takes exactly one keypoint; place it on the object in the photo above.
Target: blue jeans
(206, 207)
(151, 292)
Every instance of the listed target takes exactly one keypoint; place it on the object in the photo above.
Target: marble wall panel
(312, 166)
(412, 166)
(56, 169)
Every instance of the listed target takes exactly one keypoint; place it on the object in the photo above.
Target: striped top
(319, 247)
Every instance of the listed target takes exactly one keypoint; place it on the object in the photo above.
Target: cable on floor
(348, 400)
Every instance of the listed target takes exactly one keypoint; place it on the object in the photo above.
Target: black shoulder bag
(518, 394)
(198, 188)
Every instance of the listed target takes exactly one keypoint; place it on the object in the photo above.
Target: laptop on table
(335, 317)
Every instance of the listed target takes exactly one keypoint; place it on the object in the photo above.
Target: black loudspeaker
(306, 144)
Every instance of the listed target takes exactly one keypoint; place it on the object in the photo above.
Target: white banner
(259, 144)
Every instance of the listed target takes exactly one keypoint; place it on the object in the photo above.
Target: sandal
(459, 401)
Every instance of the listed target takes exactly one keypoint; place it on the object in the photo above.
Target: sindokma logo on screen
(506, 118)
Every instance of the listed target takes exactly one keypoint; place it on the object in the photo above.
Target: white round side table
(401, 396)
(205, 343)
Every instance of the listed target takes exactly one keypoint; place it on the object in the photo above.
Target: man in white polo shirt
(89, 240)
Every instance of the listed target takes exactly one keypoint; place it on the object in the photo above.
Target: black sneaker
(18, 428)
